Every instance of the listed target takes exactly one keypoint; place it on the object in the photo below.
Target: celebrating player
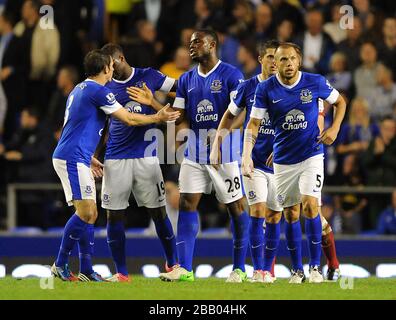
(290, 99)
(203, 95)
(260, 190)
(86, 110)
(127, 168)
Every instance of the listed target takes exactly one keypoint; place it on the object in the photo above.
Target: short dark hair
(32, 111)
(95, 61)
(209, 33)
(262, 47)
(72, 72)
(111, 49)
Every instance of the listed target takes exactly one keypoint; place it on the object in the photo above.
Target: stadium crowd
(40, 67)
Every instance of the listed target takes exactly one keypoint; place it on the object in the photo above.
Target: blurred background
(39, 67)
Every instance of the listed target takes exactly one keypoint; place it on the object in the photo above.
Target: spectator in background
(68, 78)
(365, 75)
(351, 205)
(13, 68)
(387, 48)
(356, 135)
(333, 28)
(317, 45)
(181, 63)
(243, 16)
(282, 10)
(208, 14)
(339, 77)
(384, 96)
(118, 16)
(379, 162)
(331, 214)
(285, 31)
(247, 57)
(263, 22)
(351, 45)
(228, 46)
(387, 220)
(185, 36)
(145, 49)
(43, 48)
(29, 160)
(365, 14)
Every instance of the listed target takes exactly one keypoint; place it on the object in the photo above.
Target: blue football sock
(257, 242)
(116, 242)
(240, 234)
(85, 248)
(293, 239)
(168, 240)
(313, 229)
(272, 235)
(187, 230)
(73, 231)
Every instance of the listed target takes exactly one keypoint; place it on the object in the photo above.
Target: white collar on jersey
(291, 86)
(129, 78)
(212, 70)
(259, 78)
(88, 79)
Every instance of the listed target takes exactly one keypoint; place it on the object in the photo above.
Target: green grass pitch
(142, 288)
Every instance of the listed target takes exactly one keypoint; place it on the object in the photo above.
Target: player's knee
(257, 210)
(310, 208)
(157, 213)
(235, 208)
(272, 217)
(187, 204)
(115, 216)
(292, 214)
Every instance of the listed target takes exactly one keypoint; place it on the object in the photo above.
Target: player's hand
(215, 157)
(270, 160)
(143, 96)
(166, 114)
(328, 136)
(247, 167)
(96, 168)
(13, 155)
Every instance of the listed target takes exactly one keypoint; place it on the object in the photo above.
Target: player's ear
(259, 59)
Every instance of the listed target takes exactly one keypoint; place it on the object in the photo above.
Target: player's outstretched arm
(249, 141)
(136, 119)
(330, 135)
(144, 96)
(222, 131)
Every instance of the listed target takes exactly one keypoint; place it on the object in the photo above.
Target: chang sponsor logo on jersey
(265, 125)
(204, 112)
(294, 120)
(134, 107)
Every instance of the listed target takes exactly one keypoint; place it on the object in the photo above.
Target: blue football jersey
(85, 116)
(293, 112)
(127, 142)
(205, 98)
(244, 98)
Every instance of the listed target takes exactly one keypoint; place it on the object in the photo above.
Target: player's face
(200, 47)
(268, 62)
(118, 66)
(287, 62)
